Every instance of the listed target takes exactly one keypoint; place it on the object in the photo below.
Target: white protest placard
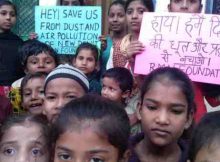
(65, 27)
(190, 42)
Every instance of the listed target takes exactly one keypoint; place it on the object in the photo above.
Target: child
(117, 84)
(205, 144)
(36, 57)
(91, 129)
(32, 92)
(134, 14)
(62, 85)
(25, 138)
(187, 6)
(86, 60)
(117, 26)
(10, 66)
(166, 109)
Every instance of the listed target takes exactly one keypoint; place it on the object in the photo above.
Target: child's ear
(189, 121)
(139, 110)
(26, 71)
(126, 94)
(126, 156)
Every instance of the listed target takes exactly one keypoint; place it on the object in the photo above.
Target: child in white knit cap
(62, 85)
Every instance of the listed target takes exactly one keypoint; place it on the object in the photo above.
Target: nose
(134, 14)
(115, 18)
(41, 64)
(162, 117)
(60, 103)
(22, 156)
(185, 5)
(8, 16)
(34, 95)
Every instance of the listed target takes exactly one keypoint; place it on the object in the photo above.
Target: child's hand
(134, 48)
(33, 35)
(103, 40)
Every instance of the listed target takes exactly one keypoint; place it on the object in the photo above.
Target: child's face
(58, 92)
(7, 17)
(187, 6)
(84, 145)
(164, 113)
(33, 95)
(208, 154)
(24, 142)
(85, 61)
(111, 89)
(42, 62)
(134, 15)
(116, 18)
(70, 3)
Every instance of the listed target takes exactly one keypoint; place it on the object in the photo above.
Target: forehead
(7, 8)
(25, 132)
(41, 55)
(36, 80)
(60, 85)
(117, 7)
(136, 4)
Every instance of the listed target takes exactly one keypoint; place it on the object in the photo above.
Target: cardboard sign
(65, 27)
(190, 42)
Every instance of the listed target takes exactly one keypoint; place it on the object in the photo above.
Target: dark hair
(147, 3)
(20, 119)
(121, 75)
(35, 47)
(211, 90)
(177, 77)
(117, 2)
(8, 3)
(205, 134)
(80, 1)
(88, 46)
(29, 77)
(109, 117)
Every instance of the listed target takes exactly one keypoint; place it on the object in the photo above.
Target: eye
(71, 96)
(50, 98)
(36, 152)
(96, 160)
(64, 156)
(129, 11)
(177, 111)
(27, 94)
(9, 151)
(33, 62)
(151, 107)
(141, 11)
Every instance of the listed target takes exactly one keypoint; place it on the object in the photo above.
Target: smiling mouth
(35, 106)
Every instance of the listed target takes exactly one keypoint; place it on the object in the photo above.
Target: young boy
(36, 57)
(62, 85)
(32, 92)
(86, 60)
(117, 84)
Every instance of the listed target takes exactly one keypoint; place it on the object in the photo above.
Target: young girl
(10, 64)
(111, 57)
(32, 92)
(91, 129)
(86, 60)
(25, 138)
(134, 14)
(205, 143)
(165, 111)
(62, 85)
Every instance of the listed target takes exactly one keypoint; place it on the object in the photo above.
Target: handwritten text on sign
(64, 28)
(190, 42)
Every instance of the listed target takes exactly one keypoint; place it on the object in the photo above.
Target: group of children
(95, 108)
